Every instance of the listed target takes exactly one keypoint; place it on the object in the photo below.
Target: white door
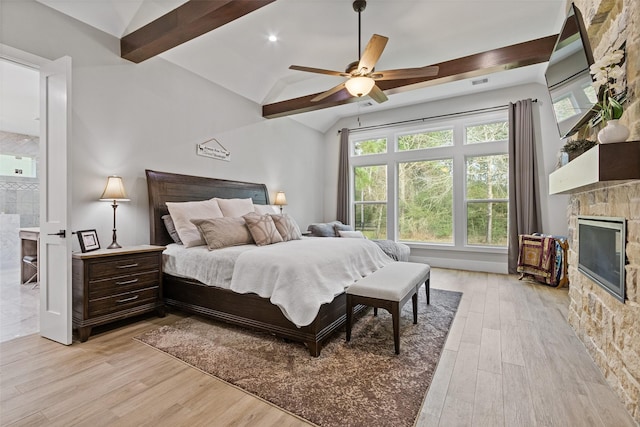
(54, 259)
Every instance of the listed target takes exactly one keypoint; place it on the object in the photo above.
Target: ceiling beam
(186, 22)
(504, 58)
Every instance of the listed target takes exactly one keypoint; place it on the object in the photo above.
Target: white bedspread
(213, 268)
(298, 276)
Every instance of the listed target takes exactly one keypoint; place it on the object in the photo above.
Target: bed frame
(248, 310)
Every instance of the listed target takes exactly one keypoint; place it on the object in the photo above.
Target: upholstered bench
(390, 288)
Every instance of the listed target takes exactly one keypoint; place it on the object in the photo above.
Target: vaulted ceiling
(238, 55)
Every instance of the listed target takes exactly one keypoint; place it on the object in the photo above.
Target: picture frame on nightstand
(88, 240)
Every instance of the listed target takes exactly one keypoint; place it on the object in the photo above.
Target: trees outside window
(425, 201)
(487, 200)
(369, 146)
(429, 139)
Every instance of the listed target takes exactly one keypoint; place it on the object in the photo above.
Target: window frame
(352, 183)
(458, 152)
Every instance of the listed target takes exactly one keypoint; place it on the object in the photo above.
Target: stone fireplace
(608, 327)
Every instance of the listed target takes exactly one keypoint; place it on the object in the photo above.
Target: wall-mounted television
(568, 78)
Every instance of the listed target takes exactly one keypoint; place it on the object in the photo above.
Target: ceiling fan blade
(328, 93)
(406, 73)
(318, 71)
(372, 52)
(377, 95)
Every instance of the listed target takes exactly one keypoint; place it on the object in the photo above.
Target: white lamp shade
(281, 199)
(114, 190)
(359, 86)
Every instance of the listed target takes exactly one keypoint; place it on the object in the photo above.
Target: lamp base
(114, 243)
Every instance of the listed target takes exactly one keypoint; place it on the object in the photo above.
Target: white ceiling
(324, 34)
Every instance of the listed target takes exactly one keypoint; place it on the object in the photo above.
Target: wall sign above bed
(218, 153)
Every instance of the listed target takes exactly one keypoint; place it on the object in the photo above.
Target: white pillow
(351, 234)
(235, 207)
(266, 209)
(183, 212)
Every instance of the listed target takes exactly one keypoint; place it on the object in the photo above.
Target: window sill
(450, 247)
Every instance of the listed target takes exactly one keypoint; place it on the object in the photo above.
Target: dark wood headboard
(170, 187)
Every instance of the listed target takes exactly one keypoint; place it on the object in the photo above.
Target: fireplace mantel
(604, 162)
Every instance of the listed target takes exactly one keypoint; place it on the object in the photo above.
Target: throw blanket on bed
(300, 275)
(397, 251)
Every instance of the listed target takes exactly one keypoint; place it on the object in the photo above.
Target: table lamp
(114, 192)
(281, 200)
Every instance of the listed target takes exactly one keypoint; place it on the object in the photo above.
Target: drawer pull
(127, 282)
(128, 265)
(128, 299)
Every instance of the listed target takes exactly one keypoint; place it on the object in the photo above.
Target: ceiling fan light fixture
(359, 86)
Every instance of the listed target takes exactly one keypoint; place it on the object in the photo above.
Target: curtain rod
(496, 108)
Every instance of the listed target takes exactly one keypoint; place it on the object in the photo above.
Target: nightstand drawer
(125, 283)
(122, 301)
(123, 265)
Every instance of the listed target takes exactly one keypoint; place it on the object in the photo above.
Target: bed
(246, 309)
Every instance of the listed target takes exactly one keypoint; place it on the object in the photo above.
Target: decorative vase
(614, 131)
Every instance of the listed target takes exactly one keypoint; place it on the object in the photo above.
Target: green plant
(578, 145)
(608, 82)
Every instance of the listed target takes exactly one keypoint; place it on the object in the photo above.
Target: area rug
(356, 383)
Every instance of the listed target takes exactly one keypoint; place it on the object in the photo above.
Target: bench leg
(349, 315)
(427, 286)
(414, 300)
(395, 316)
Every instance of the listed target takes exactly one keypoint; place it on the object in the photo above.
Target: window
(564, 108)
(590, 92)
(430, 139)
(487, 200)
(370, 201)
(487, 132)
(23, 166)
(425, 201)
(442, 183)
(369, 146)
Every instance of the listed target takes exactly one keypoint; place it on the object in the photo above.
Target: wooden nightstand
(112, 284)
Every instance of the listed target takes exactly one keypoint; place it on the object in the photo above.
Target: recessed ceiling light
(273, 38)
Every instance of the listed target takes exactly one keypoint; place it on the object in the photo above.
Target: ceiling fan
(361, 75)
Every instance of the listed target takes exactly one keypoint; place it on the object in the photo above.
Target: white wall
(548, 144)
(130, 117)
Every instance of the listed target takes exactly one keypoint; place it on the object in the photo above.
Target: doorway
(19, 195)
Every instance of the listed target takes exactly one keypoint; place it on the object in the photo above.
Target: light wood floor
(19, 305)
(510, 360)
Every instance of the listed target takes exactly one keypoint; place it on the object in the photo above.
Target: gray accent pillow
(323, 229)
(262, 229)
(223, 232)
(171, 228)
(287, 227)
